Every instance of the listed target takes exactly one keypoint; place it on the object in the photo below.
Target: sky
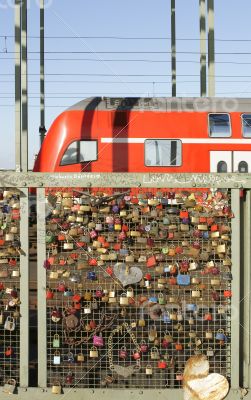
(128, 34)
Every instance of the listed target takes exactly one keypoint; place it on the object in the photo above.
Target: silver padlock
(57, 358)
(87, 308)
(149, 370)
(10, 386)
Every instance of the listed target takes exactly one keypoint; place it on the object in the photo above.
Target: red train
(150, 135)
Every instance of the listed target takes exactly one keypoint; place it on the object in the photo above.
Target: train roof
(206, 104)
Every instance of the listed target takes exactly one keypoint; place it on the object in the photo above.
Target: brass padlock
(141, 322)
(93, 352)
(123, 300)
(196, 293)
(209, 335)
(56, 388)
(192, 334)
(80, 357)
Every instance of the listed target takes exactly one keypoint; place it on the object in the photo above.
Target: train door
(221, 161)
(242, 161)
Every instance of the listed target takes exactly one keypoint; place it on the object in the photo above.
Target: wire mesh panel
(10, 251)
(137, 282)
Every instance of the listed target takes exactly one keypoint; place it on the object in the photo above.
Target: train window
(246, 125)
(222, 167)
(162, 153)
(243, 167)
(219, 125)
(80, 151)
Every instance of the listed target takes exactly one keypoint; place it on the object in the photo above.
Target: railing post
(41, 290)
(235, 314)
(24, 288)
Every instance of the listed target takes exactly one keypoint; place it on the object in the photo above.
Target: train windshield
(80, 151)
(219, 125)
(162, 153)
(246, 125)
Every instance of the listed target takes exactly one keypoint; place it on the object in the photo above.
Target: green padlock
(56, 341)
(49, 238)
(161, 299)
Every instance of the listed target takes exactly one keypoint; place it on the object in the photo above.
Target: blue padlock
(220, 335)
(205, 235)
(91, 276)
(123, 252)
(183, 280)
(166, 318)
(153, 300)
(110, 227)
(115, 208)
(191, 307)
(185, 220)
(6, 209)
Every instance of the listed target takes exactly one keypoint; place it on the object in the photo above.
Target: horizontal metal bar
(157, 180)
(108, 394)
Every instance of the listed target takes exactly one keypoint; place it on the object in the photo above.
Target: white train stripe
(183, 140)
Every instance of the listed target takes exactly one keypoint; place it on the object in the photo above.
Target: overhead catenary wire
(128, 38)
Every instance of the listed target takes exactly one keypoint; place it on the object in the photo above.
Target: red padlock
(109, 270)
(208, 317)
(143, 347)
(162, 364)
(227, 293)
(92, 324)
(165, 343)
(49, 294)
(61, 287)
(1, 286)
(69, 378)
(76, 298)
(9, 351)
(93, 262)
(148, 277)
(77, 306)
(136, 355)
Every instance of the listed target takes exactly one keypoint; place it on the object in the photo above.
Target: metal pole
(41, 286)
(211, 49)
(173, 41)
(235, 320)
(24, 90)
(42, 129)
(245, 302)
(24, 288)
(203, 49)
(17, 85)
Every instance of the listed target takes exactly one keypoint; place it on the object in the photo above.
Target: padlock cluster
(10, 249)
(137, 283)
